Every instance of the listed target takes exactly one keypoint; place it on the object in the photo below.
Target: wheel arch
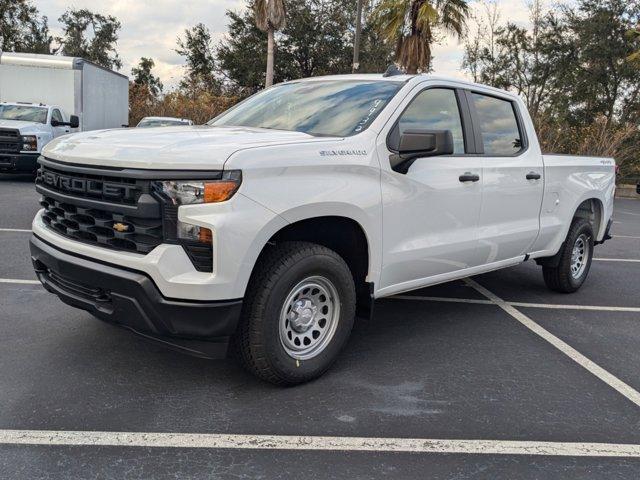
(592, 210)
(342, 234)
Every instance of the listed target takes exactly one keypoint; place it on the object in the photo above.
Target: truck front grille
(10, 141)
(107, 229)
(106, 210)
(117, 209)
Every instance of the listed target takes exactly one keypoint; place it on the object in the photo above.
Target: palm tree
(270, 16)
(413, 24)
(634, 38)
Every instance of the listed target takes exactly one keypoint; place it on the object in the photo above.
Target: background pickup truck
(45, 96)
(25, 129)
(284, 217)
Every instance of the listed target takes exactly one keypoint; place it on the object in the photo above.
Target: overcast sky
(150, 29)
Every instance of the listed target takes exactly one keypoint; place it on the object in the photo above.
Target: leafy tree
(22, 29)
(606, 82)
(415, 25)
(270, 16)
(142, 76)
(317, 40)
(91, 36)
(575, 69)
(197, 47)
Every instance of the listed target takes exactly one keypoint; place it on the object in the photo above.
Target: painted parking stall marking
(614, 382)
(554, 306)
(19, 281)
(315, 443)
(632, 260)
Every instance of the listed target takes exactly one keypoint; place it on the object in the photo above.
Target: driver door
(61, 129)
(431, 213)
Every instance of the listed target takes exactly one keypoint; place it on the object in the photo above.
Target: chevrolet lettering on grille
(70, 184)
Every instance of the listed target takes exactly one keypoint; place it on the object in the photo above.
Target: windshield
(324, 108)
(161, 123)
(24, 113)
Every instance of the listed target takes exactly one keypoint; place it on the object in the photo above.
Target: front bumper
(130, 298)
(19, 162)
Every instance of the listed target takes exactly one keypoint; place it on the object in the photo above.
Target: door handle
(533, 176)
(469, 177)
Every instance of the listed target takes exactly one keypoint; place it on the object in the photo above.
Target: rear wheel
(298, 313)
(574, 261)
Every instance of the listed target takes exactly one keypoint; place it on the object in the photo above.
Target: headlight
(29, 143)
(202, 191)
(191, 192)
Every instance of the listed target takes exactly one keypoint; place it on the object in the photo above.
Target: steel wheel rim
(309, 317)
(580, 256)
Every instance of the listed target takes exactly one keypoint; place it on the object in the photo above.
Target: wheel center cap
(302, 315)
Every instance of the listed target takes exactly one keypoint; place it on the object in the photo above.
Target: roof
(403, 78)
(26, 104)
(167, 118)
(49, 61)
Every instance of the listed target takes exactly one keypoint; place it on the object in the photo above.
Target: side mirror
(416, 143)
(74, 122)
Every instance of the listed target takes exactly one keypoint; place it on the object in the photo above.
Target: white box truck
(43, 97)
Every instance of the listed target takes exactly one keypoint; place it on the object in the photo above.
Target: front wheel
(298, 313)
(575, 259)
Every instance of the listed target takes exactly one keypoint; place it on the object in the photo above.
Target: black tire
(560, 278)
(258, 339)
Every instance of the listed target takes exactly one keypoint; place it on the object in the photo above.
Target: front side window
(498, 125)
(56, 115)
(337, 108)
(23, 113)
(435, 109)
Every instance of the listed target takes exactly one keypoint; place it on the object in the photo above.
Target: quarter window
(498, 125)
(435, 109)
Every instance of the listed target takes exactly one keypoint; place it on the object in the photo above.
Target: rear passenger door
(512, 175)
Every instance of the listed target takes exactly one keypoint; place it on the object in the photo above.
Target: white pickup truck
(25, 128)
(282, 219)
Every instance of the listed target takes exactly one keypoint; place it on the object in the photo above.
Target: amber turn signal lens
(219, 191)
(205, 235)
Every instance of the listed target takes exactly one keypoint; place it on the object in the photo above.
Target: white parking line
(626, 236)
(18, 281)
(627, 212)
(316, 443)
(600, 308)
(632, 260)
(443, 299)
(601, 373)
(21, 230)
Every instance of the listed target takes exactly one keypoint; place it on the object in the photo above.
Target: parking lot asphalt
(442, 363)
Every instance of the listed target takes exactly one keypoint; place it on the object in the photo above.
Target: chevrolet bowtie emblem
(121, 227)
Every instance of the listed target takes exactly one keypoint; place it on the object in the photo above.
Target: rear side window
(498, 125)
(435, 109)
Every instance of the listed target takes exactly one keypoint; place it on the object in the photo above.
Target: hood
(166, 148)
